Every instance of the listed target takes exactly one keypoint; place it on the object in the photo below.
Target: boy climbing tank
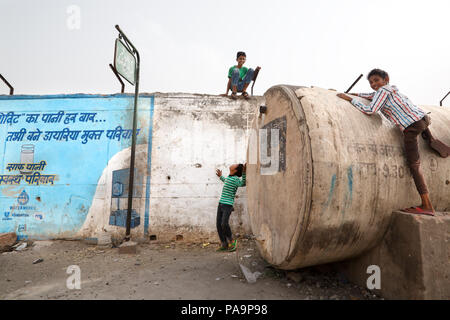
(411, 119)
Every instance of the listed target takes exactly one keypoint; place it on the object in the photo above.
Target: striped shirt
(395, 106)
(230, 188)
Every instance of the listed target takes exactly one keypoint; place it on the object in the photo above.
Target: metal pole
(11, 89)
(122, 90)
(356, 81)
(133, 141)
(440, 103)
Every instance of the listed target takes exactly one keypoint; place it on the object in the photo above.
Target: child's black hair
(239, 170)
(240, 53)
(378, 72)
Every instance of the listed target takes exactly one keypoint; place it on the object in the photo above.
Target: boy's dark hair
(239, 170)
(378, 72)
(241, 53)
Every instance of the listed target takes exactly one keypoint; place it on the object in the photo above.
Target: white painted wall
(192, 136)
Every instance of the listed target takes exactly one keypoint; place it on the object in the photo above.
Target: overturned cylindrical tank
(323, 178)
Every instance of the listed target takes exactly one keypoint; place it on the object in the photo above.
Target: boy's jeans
(223, 227)
(412, 153)
(235, 81)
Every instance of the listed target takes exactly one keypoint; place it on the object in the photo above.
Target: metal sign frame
(11, 89)
(125, 47)
(440, 102)
(353, 84)
(131, 48)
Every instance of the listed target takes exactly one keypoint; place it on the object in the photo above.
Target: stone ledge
(414, 258)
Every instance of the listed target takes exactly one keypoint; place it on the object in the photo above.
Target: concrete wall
(81, 188)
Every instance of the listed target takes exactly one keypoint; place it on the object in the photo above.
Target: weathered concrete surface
(183, 138)
(193, 135)
(7, 240)
(414, 258)
(338, 176)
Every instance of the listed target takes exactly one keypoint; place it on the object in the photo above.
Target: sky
(48, 47)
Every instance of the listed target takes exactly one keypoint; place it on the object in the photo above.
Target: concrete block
(413, 257)
(7, 240)
(104, 240)
(92, 241)
(129, 247)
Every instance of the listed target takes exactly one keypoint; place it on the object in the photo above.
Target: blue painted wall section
(119, 191)
(54, 150)
(149, 165)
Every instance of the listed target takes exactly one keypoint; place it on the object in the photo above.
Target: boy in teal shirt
(239, 77)
(226, 202)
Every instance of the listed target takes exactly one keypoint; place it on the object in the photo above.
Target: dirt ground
(175, 270)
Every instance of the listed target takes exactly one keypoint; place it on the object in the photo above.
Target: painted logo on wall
(6, 216)
(39, 216)
(23, 198)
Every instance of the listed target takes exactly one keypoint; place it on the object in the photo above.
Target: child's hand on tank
(224, 94)
(344, 96)
(218, 173)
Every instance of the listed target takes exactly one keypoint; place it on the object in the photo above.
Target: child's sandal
(232, 246)
(245, 94)
(233, 96)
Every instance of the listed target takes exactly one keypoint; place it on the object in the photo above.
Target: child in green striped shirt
(226, 202)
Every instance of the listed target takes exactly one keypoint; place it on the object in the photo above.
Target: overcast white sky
(188, 46)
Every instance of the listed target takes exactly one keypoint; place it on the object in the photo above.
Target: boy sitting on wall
(239, 77)
(411, 119)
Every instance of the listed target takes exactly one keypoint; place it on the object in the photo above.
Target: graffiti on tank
(386, 170)
(273, 146)
(374, 149)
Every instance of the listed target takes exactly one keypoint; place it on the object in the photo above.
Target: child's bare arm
(219, 174)
(344, 96)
